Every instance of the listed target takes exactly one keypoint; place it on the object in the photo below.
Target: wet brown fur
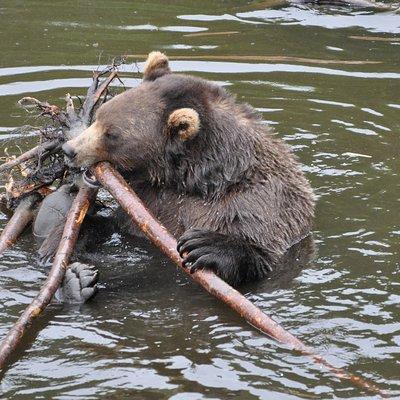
(231, 177)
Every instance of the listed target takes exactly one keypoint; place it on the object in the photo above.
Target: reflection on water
(387, 22)
(151, 333)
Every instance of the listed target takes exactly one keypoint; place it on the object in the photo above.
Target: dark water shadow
(289, 267)
(29, 338)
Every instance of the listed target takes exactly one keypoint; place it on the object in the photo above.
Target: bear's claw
(214, 251)
(80, 283)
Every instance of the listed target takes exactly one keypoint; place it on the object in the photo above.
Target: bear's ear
(184, 123)
(156, 65)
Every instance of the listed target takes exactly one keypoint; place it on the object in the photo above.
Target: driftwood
(36, 178)
(32, 153)
(23, 214)
(44, 163)
(151, 227)
(56, 275)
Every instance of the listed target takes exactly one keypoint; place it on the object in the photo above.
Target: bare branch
(56, 275)
(152, 228)
(23, 214)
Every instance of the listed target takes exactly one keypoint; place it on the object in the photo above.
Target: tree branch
(72, 226)
(152, 228)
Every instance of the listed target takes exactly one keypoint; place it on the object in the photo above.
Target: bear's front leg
(231, 258)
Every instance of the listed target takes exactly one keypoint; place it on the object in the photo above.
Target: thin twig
(36, 151)
(91, 101)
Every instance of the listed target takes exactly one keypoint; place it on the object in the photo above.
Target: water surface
(150, 333)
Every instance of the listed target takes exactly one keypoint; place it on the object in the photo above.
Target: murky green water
(150, 333)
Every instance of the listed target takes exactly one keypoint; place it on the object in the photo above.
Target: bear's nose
(68, 151)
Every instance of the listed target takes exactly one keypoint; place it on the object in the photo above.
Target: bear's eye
(111, 135)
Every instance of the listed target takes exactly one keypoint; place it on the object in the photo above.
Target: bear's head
(134, 127)
(174, 127)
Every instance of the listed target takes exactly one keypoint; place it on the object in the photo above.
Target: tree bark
(23, 214)
(72, 226)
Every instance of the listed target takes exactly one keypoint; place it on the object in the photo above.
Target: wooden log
(23, 214)
(56, 275)
(152, 228)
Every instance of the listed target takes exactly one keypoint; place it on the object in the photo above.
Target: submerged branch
(72, 226)
(36, 177)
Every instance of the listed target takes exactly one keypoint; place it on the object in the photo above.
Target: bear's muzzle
(69, 152)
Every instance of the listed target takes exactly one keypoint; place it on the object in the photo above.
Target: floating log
(72, 123)
(72, 226)
(152, 228)
(23, 214)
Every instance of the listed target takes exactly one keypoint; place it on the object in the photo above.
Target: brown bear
(207, 167)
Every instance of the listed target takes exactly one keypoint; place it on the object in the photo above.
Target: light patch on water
(15, 88)
(338, 121)
(223, 17)
(331, 103)
(363, 131)
(387, 22)
(145, 27)
(270, 122)
(371, 111)
(334, 48)
(240, 67)
(352, 155)
(369, 252)
(183, 29)
(320, 276)
(284, 86)
(210, 67)
(188, 47)
(269, 110)
(7, 133)
(377, 126)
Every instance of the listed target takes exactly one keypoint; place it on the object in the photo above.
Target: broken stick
(152, 228)
(72, 226)
(32, 153)
(23, 214)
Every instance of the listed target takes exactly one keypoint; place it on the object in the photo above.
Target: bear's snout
(86, 149)
(69, 152)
